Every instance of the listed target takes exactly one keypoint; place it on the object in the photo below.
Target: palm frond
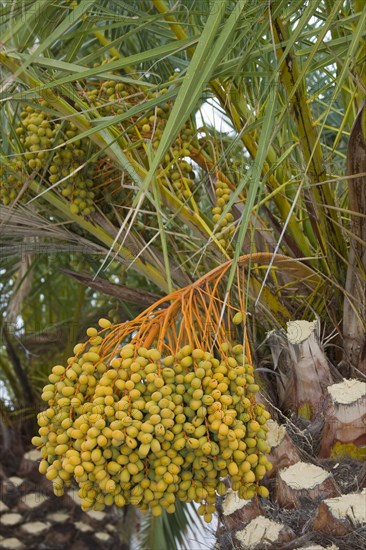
(168, 531)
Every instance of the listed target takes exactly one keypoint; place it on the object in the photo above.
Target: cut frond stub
(304, 480)
(344, 433)
(305, 373)
(338, 516)
(284, 452)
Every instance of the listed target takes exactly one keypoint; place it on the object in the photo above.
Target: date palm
(287, 78)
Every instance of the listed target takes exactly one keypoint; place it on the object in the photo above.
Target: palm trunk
(354, 315)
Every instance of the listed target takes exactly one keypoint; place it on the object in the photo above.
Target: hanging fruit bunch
(161, 408)
(75, 170)
(114, 98)
(226, 227)
(13, 178)
(39, 134)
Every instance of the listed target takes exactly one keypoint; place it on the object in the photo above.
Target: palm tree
(117, 190)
